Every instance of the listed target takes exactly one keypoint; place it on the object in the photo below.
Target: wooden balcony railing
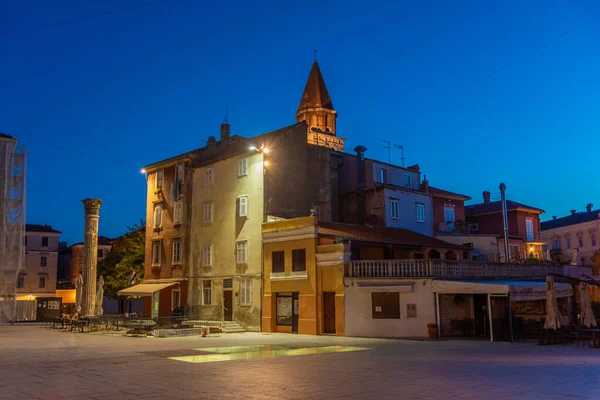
(449, 269)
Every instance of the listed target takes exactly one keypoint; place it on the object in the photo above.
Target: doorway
(227, 305)
(295, 312)
(328, 312)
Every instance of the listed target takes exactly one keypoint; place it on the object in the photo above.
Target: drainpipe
(505, 219)
(360, 184)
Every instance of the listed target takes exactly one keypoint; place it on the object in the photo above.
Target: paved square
(38, 363)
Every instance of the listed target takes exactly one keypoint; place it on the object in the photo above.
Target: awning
(518, 290)
(368, 287)
(144, 289)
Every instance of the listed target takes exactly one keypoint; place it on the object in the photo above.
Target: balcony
(535, 238)
(449, 269)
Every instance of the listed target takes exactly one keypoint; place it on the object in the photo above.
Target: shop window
(284, 309)
(386, 305)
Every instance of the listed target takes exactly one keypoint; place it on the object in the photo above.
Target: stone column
(90, 255)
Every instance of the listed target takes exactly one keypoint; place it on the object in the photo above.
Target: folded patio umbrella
(99, 296)
(554, 320)
(587, 315)
(78, 293)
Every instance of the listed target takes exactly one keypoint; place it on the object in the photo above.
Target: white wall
(359, 315)
(407, 209)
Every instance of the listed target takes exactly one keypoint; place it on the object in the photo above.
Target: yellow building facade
(303, 281)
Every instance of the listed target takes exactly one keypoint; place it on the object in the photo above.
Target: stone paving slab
(39, 363)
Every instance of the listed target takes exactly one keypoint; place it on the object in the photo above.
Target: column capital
(92, 206)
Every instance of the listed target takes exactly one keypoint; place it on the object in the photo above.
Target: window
(242, 167)
(246, 290)
(158, 184)
(43, 261)
(420, 212)
(278, 261)
(207, 293)
(529, 229)
(44, 241)
(568, 243)
(383, 175)
(42, 282)
(100, 253)
(242, 252)
(157, 216)
(386, 305)
(179, 172)
(178, 212)
(514, 253)
(448, 214)
(411, 311)
(208, 213)
(177, 251)
(25, 240)
(299, 260)
(593, 238)
(394, 208)
(208, 176)
(407, 181)
(556, 244)
(156, 253)
(175, 299)
(228, 283)
(243, 206)
(20, 281)
(207, 258)
(284, 309)
(580, 240)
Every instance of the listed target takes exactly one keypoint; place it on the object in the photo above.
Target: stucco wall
(408, 211)
(438, 210)
(359, 312)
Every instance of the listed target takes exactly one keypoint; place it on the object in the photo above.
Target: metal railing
(448, 269)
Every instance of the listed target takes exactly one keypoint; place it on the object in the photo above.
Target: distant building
(577, 232)
(38, 276)
(71, 260)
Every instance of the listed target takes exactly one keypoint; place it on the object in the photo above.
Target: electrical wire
(84, 17)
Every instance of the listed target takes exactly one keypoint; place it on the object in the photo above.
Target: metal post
(505, 219)
(489, 304)
(437, 314)
(510, 323)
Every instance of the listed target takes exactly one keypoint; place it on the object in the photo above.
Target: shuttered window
(178, 212)
(278, 261)
(158, 216)
(243, 201)
(246, 290)
(386, 305)
(298, 260)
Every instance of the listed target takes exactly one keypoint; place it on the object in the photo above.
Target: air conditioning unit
(473, 227)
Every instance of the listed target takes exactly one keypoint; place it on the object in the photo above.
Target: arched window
(450, 255)
(434, 254)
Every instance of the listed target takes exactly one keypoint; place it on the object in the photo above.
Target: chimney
(425, 184)
(225, 132)
(361, 183)
(486, 197)
(211, 142)
(589, 207)
(573, 212)
(554, 217)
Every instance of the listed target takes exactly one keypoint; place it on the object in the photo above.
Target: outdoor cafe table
(595, 336)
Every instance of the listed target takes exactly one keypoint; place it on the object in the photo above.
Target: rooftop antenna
(386, 145)
(401, 148)
(315, 53)
(226, 120)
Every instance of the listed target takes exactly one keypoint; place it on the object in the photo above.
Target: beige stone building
(37, 278)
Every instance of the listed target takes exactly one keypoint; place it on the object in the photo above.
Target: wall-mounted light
(142, 171)
(266, 163)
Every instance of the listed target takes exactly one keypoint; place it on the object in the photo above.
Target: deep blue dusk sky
(144, 85)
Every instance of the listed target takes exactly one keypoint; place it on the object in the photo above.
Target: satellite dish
(372, 219)
(443, 227)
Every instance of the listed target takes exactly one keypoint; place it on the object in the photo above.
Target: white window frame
(178, 212)
(209, 212)
(242, 167)
(156, 260)
(407, 180)
(204, 287)
(207, 255)
(180, 241)
(383, 175)
(241, 252)
(173, 305)
(246, 291)
(243, 206)
(208, 176)
(421, 213)
(157, 216)
(394, 208)
(449, 210)
(529, 230)
(159, 173)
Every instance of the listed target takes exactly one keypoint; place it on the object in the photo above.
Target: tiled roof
(496, 206)
(574, 219)
(40, 228)
(102, 241)
(396, 236)
(315, 93)
(444, 193)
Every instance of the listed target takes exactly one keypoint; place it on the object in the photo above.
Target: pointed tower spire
(316, 108)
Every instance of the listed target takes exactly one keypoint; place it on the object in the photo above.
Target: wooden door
(228, 305)
(328, 312)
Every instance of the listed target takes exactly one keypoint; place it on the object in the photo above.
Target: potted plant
(432, 330)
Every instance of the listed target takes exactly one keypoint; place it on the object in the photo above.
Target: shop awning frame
(518, 290)
(145, 289)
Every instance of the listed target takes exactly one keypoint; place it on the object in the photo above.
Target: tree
(127, 255)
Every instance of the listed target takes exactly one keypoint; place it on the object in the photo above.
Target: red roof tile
(444, 193)
(496, 206)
